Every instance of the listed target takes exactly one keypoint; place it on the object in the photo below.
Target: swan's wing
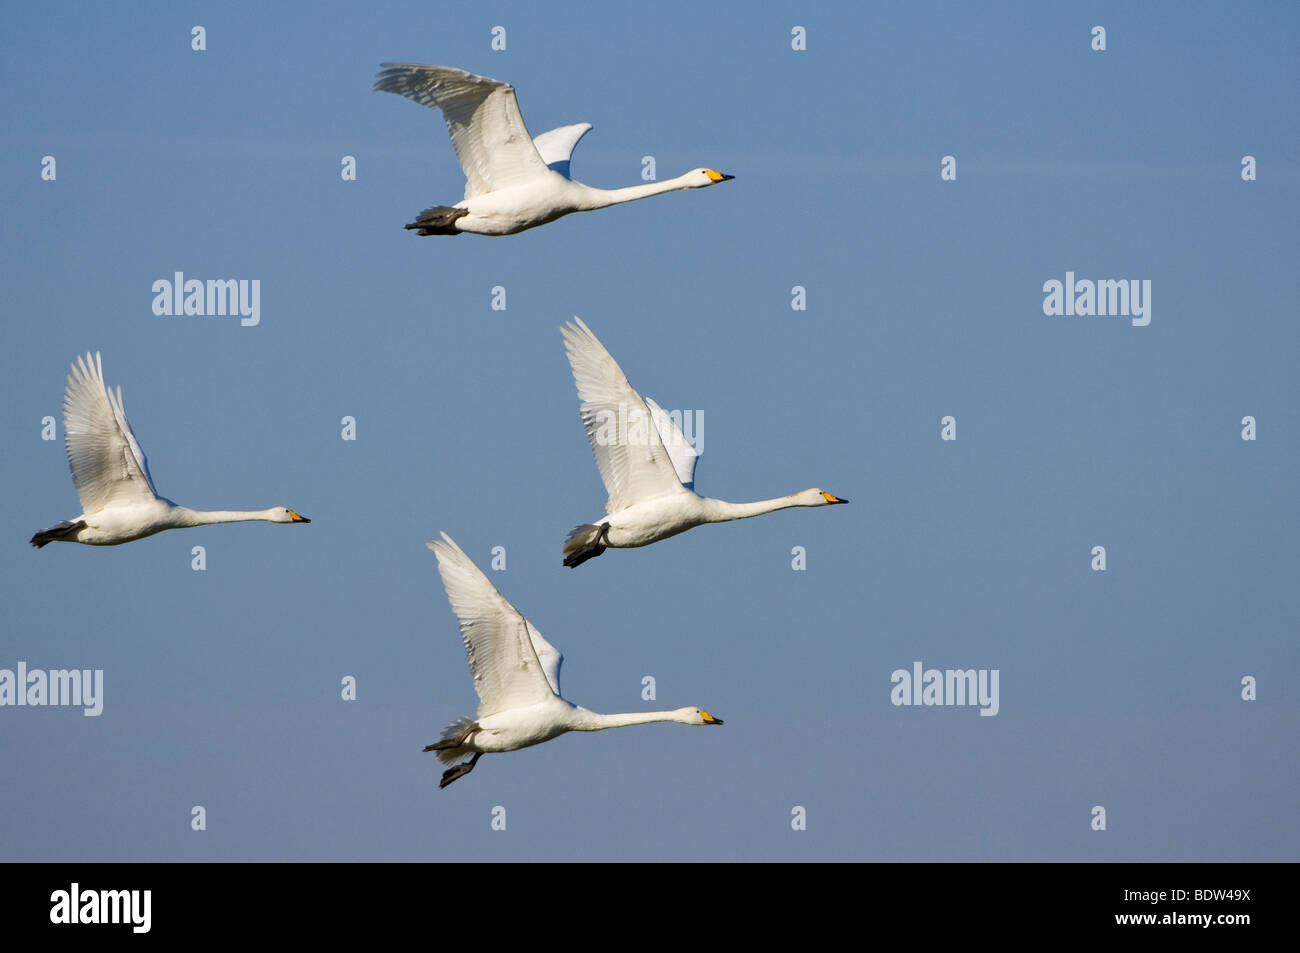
(498, 640)
(680, 452)
(108, 466)
(491, 141)
(631, 457)
(556, 147)
(548, 655)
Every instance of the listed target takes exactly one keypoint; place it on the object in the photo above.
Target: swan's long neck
(204, 517)
(595, 721)
(603, 198)
(720, 511)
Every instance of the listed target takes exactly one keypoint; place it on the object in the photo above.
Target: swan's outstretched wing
(108, 466)
(556, 147)
(491, 141)
(680, 452)
(499, 642)
(631, 457)
(548, 655)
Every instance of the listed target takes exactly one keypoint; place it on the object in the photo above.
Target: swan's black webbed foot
(459, 770)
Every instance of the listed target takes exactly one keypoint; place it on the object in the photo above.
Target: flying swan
(645, 461)
(514, 181)
(112, 476)
(516, 674)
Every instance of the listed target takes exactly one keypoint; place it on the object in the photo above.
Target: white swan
(645, 461)
(112, 475)
(516, 674)
(513, 182)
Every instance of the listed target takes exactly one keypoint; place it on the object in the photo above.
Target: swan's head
(817, 497)
(699, 178)
(697, 716)
(282, 514)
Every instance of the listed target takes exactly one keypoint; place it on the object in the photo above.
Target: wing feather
(499, 642)
(631, 458)
(108, 466)
(482, 115)
(548, 655)
(556, 146)
(680, 452)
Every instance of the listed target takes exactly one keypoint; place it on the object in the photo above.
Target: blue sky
(924, 297)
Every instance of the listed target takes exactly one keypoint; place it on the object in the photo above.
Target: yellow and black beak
(709, 719)
(718, 176)
(832, 498)
(297, 518)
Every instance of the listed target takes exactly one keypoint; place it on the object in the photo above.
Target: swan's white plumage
(679, 449)
(108, 466)
(109, 469)
(547, 655)
(512, 182)
(633, 461)
(516, 675)
(645, 461)
(505, 651)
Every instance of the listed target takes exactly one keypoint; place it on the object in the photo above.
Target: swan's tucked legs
(439, 220)
(65, 530)
(585, 542)
(459, 770)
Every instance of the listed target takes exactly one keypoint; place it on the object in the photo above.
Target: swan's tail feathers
(585, 542)
(439, 220)
(65, 530)
(451, 747)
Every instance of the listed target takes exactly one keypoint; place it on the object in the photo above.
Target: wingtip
(577, 331)
(446, 543)
(89, 366)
